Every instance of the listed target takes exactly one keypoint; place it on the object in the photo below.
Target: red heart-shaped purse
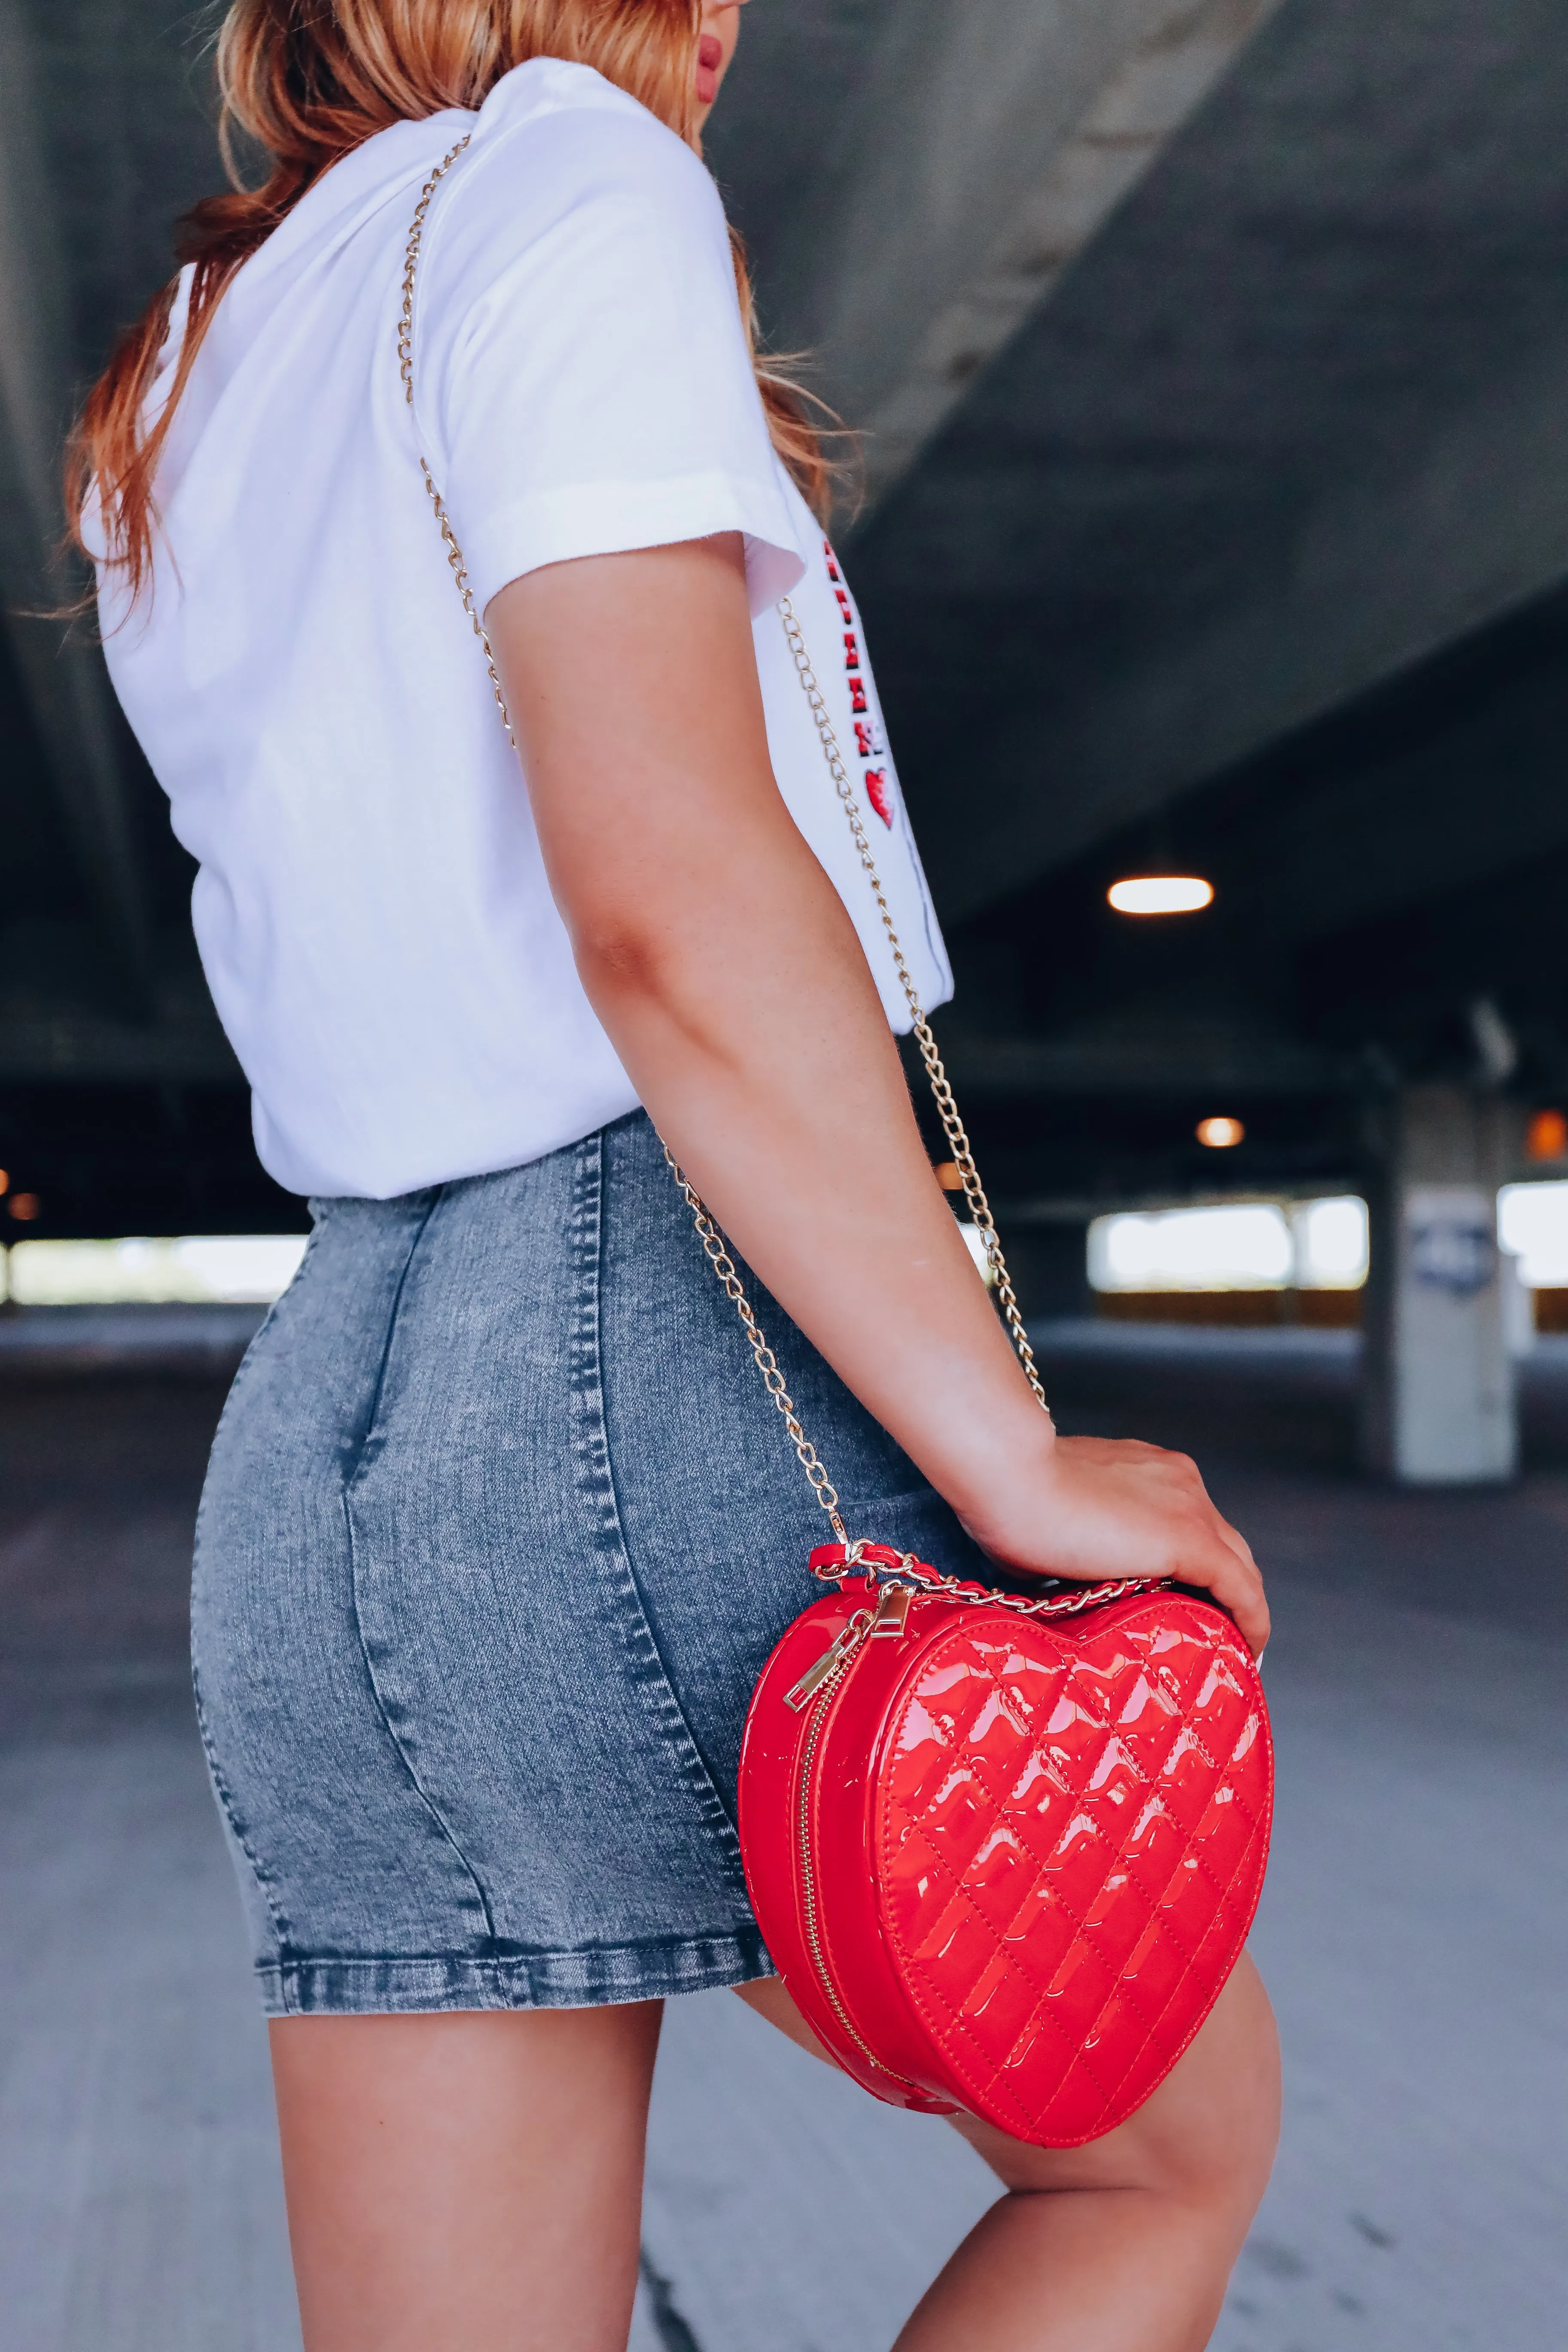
(1006, 1864)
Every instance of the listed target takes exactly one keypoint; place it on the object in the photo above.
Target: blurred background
(1212, 362)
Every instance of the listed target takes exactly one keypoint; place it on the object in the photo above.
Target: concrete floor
(1413, 1931)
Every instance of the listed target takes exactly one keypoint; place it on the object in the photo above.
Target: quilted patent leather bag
(1005, 1849)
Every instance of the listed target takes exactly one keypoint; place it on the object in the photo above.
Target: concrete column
(1438, 1398)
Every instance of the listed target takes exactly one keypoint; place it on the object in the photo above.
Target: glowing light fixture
(1330, 1239)
(1547, 1138)
(1160, 894)
(25, 1207)
(1220, 1134)
(1532, 1226)
(230, 1269)
(1267, 1244)
(1244, 1245)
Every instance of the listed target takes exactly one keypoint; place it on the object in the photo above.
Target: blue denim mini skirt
(500, 1527)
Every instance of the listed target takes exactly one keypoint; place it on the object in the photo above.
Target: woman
(498, 1529)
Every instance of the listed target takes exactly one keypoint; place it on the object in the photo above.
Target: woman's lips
(709, 58)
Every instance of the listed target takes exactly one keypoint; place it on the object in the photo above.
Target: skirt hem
(433, 1981)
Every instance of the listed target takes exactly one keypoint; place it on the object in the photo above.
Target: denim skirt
(500, 1527)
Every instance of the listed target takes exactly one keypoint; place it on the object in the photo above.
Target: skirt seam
(221, 1790)
(649, 1674)
(236, 1828)
(361, 1460)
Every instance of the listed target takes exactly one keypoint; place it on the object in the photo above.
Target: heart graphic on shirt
(878, 795)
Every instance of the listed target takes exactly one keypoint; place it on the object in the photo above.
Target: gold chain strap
(708, 1233)
(947, 1108)
(957, 1590)
(405, 369)
(723, 1266)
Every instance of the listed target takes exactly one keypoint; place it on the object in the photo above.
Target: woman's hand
(1102, 1507)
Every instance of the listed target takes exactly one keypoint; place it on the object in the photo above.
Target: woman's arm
(729, 977)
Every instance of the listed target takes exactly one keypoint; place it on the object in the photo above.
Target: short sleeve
(582, 385)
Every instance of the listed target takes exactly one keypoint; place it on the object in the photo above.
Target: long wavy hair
(309, 81)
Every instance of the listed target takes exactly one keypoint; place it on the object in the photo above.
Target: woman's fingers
(1208, 1553)
(1237, 1586)
(1199, 1554)
(1119, 1507)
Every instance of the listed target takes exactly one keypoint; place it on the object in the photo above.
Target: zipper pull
(848, 1641)
(893, 1612)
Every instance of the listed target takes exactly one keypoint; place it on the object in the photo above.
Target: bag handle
(708, 1233)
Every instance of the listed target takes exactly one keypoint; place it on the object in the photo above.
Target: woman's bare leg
(1125, 2245)
(465, 2178)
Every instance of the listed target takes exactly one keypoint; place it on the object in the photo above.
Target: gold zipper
(891, 1618)
(821, 1682)
(811, 1682)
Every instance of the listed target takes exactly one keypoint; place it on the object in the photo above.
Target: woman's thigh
(465, 2178)
(1205, 2137)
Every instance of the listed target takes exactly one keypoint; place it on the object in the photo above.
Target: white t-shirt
(371, 908)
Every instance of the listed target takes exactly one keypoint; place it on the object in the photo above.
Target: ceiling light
(1160, 894)
(25, 1207)
(1547, 1138)
(1219, 1134)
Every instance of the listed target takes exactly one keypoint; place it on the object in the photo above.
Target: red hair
(309, 81)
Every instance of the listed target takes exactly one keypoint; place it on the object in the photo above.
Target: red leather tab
(827, 1557)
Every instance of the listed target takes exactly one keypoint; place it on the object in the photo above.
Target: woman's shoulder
(556, 137)
(574, 209)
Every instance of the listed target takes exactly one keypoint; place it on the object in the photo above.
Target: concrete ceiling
(1296, 419)
(915, 178)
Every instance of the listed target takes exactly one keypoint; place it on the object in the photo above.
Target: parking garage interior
(1206, 496)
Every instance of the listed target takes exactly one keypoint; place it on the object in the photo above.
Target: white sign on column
(1454, 1420)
